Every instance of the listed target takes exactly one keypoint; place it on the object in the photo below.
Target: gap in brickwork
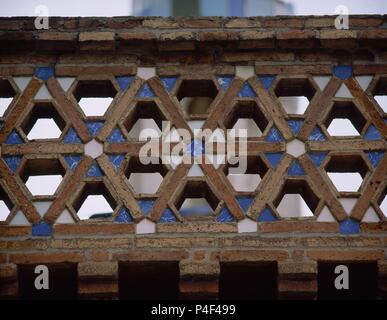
(296, 199)
(362, 281)
(383, 202)
(248, 281)
(6, 95)
(380, 93)
(148, 280)
(6, 205)
(94, 202)
(63, 282)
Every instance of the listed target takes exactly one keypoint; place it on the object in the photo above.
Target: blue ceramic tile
(124, 82)
(146, 206)
(196, 148)
(116, 136)
(317, 157)
(295, 126)
(375, 157)
(274, 135)
(266, 81)
(14, 138)
(245, 202)
(274, 158)
(13, 162)
(94, 170)
(246, 91)
(167, 216)
(41, 229)
(94, 127)
(116, 160)
(145, 92)
(317, 135)
(267, 216)
(44, 73)
(72, 161)
(372, 133)
(124, 216)
(342, 72)
(71, 137)
(225, 216)
(225, 82)
(349, 226)
(296, 169)
(169, 82)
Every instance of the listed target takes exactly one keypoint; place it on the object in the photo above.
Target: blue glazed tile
(266, 81)
(167, 216)
(116, 160)
(342, 72)
(169, 82)
(295, 126)
(201, 211)
(13, 162)
(71, 137)
(274, 135)
(296, 169)
(225, 82)
(124, 216)
(372, 133)
(274, 158)
(124, 82)
(14, 138)
(41, 229)
(146, 206)
(72, 161)
(225, 216)
(196, 148)
(245, 202)
(94, 127)
(267, 216)
(246, 91)
(349, 226)
(44, 73)
(94, 170)
(375, 157)
(145, 92)
(317, 135)
(317, 157)
(116, 136)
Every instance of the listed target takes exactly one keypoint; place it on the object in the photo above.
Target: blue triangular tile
(169, 82)
(225, 216)
(116, 136)
(245, 202)
(145, 92)
(94, 127)
(71, 137)
(267, 216)
(266, 81)
(13, 162)
(14, 138)
(225, 82)
(372, 133)
(295, 126)
(116, 160)
(167, 216)
(274, 158)
(124, 82)
(317, 157)
(72, 161)
(124, 216)
(146, 206)
(317, 135)
(274, 135)
(94, 170)
(375, 157)
(246, 91)
(296, 169)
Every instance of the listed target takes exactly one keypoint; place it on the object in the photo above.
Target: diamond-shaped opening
(296, 199)
(144, 120)
(380, 93)
(249, 116)
(94, 202)
(295, 94)
(344, 119)
(94, 96)
(383, 202)
(6, 204)
(42, 177)
(6, 95)
(196, 96)
(145, 178)
(346, 172)
(245, 175)
(196, 200)
(43, 122)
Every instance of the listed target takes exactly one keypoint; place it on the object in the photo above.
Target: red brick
(201, 23)
(217, 35)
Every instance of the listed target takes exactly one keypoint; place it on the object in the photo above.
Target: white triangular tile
(65, 82)
(370, 216)
(65, 218)
(364, 81)
(43, 93)
(195, 125)
(343, 92)
(325, 215)
(195, 171)
(322, 81)
(348, 204)
(19, 220)
(22, 82)
(42, 206)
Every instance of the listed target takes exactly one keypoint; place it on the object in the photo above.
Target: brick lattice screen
(147, 66)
